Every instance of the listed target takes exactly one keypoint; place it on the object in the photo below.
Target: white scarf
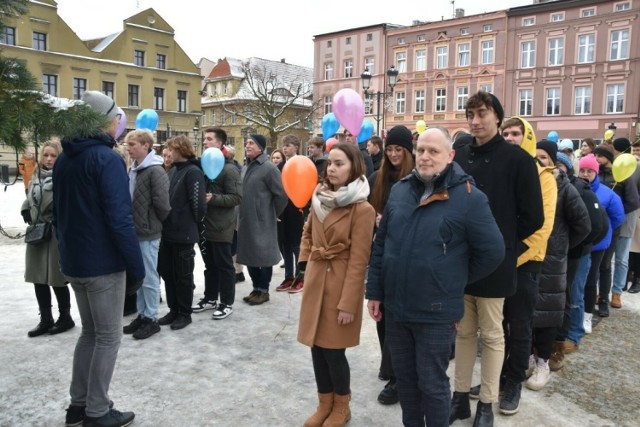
(325, 200)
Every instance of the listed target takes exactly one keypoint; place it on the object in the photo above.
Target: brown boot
(340, 414)
(322, 412)
(556, 361)
(616, 301)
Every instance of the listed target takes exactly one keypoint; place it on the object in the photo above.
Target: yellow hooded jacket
(537, 242)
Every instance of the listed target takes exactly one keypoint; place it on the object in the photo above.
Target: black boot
(460, 408)
(64, 323)
(484, 415)
(46, 322)
(635, 286)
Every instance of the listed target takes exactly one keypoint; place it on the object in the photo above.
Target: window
(401, 62)
(50, 84)
(79, 87)
(421, 60)
(463, 95)
(487, 27)
(486, 87)
(441, 100)
(402, 40)
(215, 89)
(225, 88)
(39, 41)
(487, 52)
(327, 104)
(158, 98)
(182, 101)
(441, 57)
(419, 101)
(138, 58)
(400, 102)
(583, 100)
(586, 48)
(329, 43)
(528, 55)
(585, 13)
(223, 117)
(369, 37)
(619, 45)
(161, 61)
(107, 89)
(133, 95)
(527, 22)
(368, 63)
(526, 102)
(464, 31)
(556, 50)
(557, 17)
(348, 68)
(615, 98)
(328, 71)
(368, 103)
(422, 38)
(348, 40)
(621, 7)
(8, 36)
(553, 101)
(233, 118)
(464, 54)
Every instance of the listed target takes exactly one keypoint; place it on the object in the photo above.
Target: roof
(106, 42)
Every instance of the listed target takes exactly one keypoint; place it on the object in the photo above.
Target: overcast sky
(268, 29)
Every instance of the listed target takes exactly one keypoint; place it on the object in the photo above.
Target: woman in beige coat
(335, 249)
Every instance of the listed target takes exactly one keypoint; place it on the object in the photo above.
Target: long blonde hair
(53, 143)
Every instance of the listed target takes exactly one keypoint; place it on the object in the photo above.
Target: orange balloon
(299, 179)
(330, 143)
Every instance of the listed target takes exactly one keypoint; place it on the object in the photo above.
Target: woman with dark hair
(587, 146)
(335, 249)
(278, 158)
(42, 260)
(397, 163)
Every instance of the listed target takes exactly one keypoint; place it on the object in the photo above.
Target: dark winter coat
(92, 210)
(508, 176)
(597, 217)
(367, 158)
(226, 190)
(425, 252)
(150, 200)
(377, 160)
(611, 202)
(320, 164)
(188, 205)
(570, 227)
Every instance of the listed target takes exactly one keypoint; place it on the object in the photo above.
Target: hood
(528, 138)
(75, 146)
(152, 159)
(451, 176)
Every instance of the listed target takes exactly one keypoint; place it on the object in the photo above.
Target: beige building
(140, 67)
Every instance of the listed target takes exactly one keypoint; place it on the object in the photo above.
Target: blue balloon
(553, 136)
(330, 126)
(212, 162)
(147, 119)
(366, 131)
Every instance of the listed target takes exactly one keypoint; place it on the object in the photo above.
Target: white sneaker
(222, 311)
(204, 304)
(532, 366)
(588, 317)
(540, 377)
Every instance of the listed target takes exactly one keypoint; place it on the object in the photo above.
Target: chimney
(459, 13)
(283, 61)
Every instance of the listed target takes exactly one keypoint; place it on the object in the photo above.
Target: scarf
(325, 200)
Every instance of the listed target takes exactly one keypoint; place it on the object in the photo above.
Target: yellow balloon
(608, 134)
(421, 126)
(623, 167)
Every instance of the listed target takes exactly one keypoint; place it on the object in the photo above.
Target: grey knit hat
(100, 102)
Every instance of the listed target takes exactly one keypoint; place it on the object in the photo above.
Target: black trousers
(331, 369)
(175, 263)
(219, 274)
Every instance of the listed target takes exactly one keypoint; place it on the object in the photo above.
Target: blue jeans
(420, 357)
(261, 278)
(100, 300)
(621, 264)
(576, 326)
(148, 298)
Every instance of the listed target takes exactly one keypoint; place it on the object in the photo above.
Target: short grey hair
(445, 132)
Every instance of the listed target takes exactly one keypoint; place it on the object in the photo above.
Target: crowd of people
(492, 236)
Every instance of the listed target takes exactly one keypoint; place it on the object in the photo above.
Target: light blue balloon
(212, 162)
(147, 119)
(366, 131)
(553, 136)
(330, 126)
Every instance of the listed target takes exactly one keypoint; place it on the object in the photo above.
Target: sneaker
(510, 400)
(285, 285)
(113, 418)
(260, 298)
(532, 366)
(250, 296)
(182, 320)
(296, 286)
(222, 311)
(133, 326)
(75, 416)
(149, 328)
(204, 304)
(540, 377)
(603, 307)
(168, 318)
(587, 323)
(389, 395)
(240, 277)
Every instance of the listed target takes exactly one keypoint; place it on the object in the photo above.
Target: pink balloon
(348, 108)
(330, 143)
(123, 123)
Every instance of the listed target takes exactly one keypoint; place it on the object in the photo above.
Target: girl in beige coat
(335, 251)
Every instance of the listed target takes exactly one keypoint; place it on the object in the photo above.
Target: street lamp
(196, 130)
(366, 76)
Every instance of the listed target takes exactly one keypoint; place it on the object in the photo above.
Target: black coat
(597, 216)
(508, 176)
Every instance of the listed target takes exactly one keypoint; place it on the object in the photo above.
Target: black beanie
(259, 139)
(497, 107)
(604, 152)
(400, 135)
(550, 147)
(622, 145)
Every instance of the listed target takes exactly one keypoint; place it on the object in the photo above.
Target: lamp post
(196, 131)
(366, 76)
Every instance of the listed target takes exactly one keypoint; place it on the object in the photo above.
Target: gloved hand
(133, 285)
(26, 216)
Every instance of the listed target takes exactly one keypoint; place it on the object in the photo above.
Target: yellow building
(140, 66)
